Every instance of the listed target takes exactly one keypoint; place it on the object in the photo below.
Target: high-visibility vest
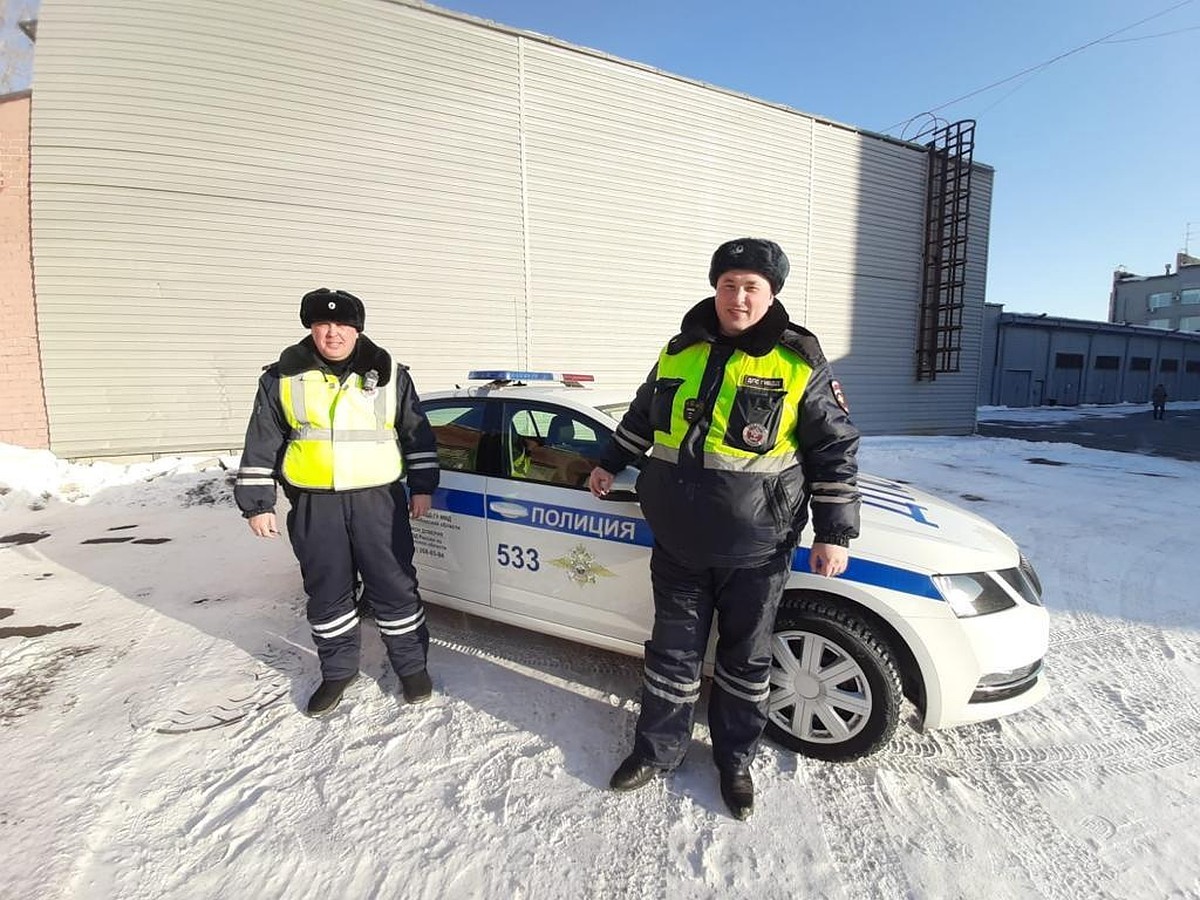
(343, 435)
(753, 421)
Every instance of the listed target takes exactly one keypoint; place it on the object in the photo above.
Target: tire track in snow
(849, 807)
(1143, 723)
(1053, 859)
(1020, 835)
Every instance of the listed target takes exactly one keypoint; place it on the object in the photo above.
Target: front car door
(558, 554)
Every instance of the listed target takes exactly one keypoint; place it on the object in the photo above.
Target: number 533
(518, 557)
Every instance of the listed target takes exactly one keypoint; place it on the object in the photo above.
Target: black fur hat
(324, 305)
(754, 255)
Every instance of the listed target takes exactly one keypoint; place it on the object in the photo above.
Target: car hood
(907, 526)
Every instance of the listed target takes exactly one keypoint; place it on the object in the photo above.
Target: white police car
(937, 603)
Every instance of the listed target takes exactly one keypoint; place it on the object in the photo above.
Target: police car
(937, 605)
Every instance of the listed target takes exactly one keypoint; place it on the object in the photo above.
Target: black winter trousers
(367, 532)
(745, 602)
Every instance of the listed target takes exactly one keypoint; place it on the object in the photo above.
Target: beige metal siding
(978, 241)
(865, 268)
(497, 198)
(197, 167)
(633, 179)
(865, 292)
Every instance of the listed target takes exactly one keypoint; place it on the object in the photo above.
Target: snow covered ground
(153, 653)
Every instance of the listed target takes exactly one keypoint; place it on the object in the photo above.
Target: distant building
(1170, 301)
(1040, 360)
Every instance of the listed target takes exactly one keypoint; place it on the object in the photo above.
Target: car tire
(835, 686)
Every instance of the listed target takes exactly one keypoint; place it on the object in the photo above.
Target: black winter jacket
(268, 432)
(711, 518)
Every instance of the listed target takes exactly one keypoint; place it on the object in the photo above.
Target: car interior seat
(561, 431)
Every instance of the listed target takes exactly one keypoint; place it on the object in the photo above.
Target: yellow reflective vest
(753, 421)
(343, 433)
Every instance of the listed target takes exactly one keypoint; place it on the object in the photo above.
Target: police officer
(337, 423)
(744, 426)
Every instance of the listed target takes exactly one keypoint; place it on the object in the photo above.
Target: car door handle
(619, 495)
(507, 510)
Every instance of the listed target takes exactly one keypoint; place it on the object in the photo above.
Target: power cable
(1148, 37)
(1042, 65)
(1005, 95)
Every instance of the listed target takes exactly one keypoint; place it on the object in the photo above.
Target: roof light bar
(510, 375)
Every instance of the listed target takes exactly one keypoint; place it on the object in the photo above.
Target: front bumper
(994, 670)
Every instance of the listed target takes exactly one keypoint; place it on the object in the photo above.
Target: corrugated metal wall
(497, 199)
(197, 167)
(634, 179)
(963, 389)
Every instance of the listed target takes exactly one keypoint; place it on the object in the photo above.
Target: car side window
(555, 446)
(458, 428)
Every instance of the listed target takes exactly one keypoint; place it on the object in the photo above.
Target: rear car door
(557, 553)
(451, 541)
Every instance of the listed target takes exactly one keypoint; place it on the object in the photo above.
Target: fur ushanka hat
(324, 305)
(753, 255)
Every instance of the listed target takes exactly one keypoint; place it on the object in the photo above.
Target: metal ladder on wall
(947, 209)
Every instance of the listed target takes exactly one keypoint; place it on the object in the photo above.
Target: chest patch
(754, 435)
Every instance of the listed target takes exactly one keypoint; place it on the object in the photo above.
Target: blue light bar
(510, 375)
(519, 375)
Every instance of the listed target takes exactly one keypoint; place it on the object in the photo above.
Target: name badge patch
(767, 384)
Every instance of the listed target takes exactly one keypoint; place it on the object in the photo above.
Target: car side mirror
(624, 486)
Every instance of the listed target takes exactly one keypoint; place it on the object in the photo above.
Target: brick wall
(22, 401)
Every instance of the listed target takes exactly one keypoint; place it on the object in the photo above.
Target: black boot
(737, 790)
(328, 695)
(632, 774)
(417, 687)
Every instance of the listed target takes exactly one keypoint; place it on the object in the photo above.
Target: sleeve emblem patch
(840, 397)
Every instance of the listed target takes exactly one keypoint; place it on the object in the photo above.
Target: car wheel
(835, 685)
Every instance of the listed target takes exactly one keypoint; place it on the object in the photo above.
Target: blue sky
(1095, 155)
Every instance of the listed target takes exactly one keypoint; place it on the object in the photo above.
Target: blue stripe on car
(467, 503)
(865, 571)
(635, 531)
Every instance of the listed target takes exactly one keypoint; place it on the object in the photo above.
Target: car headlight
(1024, 581)
(976, 594)
(1032, 577)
